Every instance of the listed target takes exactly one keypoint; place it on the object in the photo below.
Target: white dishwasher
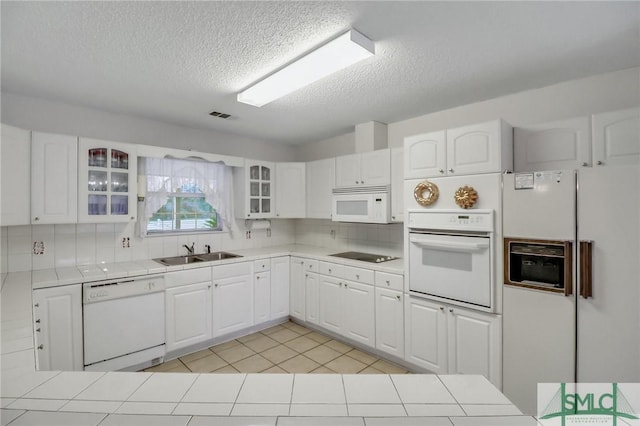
(123, 324)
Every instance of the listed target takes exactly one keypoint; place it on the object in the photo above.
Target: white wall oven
(451, 257)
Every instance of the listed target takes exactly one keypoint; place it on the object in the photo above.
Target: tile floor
(285, 348)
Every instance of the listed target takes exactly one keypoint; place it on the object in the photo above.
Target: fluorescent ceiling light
(339, 53)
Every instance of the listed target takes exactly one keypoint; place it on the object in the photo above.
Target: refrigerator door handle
(586, 274)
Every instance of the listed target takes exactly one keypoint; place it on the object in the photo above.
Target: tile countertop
(86, 273)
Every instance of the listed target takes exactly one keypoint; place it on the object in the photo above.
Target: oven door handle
(449, 245)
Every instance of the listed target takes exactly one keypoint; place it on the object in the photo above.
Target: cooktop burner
(364, 257)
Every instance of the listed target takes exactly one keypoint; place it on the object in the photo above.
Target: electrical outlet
(247, 235)
(126, 242)
(268, 232)
(38, 247)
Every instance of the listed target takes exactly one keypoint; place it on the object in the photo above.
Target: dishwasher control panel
(108, 290)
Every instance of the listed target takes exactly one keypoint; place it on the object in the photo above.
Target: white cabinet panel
(261, 297)
(290, 190)
(397, 184)
(425, 155)
(359, 313)
(330, 299)
(297, 291)
(426, 335)
(188, 315)
(479, 148)
(58, 328)
(564, 144)
(320, 181)
(232, 299)
(475, 344)
(390, 321)
(280, 280)
(366, 169)
(15, 176)
(54, 178)
(616, 137)
(311, 286)
(254, 190)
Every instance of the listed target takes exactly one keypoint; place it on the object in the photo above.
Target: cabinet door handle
(209, 286)
(357, 276)
(258, 277)
(388, 283)
(38, 321)
(340, 284)
(585, 164)
(361, 181)
(345, 285)
(442, 308)
(38, 329)
(356, 182)
(41, 347)
(36, 218)
(600, 163)
(450, 170)
(216, 285)
(450, 310)
(306, 275)
(441, 171)
(329, 270)
(398, 297)
(37, 305)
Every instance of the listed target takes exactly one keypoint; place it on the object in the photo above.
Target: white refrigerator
(552, 337)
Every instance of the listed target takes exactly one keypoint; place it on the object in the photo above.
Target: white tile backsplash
(86, 244)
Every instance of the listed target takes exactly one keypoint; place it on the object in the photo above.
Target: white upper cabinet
(320, 179)
(478, 148)
(254, 190)
(564, 144)
(616, 137)
(54, 178)
(290, 190)
(365, 169)
(425, 155)
(397, 184)
(107, 181)
(15, 176)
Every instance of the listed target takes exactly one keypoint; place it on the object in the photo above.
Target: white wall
(57, 117)
(605, 92)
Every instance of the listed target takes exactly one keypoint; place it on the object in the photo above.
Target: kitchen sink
(194, 258)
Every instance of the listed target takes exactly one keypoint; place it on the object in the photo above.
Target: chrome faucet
(208, 248)
(190, 250)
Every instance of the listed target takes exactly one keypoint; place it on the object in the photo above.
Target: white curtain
(162, 176)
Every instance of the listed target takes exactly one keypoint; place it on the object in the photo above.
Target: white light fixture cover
(339, 53)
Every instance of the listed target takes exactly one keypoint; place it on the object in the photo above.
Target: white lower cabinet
(188, 315)
(347, 308)
(57, 320)
(297, 299)
(261, 297)
(232, 298)
(280, 282)
(451, 340)
(390, 321)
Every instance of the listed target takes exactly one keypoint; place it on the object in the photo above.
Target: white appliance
(451, 253)
(584, 327)
(124, 324)
(450, 257)
(369, 204)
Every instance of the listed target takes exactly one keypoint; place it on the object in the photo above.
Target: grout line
(399, 396)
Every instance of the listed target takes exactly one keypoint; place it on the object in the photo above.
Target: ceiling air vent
(219, 114)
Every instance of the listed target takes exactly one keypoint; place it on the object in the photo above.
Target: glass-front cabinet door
(107, 175)
(259, 177)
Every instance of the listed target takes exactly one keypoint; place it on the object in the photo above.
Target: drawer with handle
(390, 281)
(359, 275)
(331, 269)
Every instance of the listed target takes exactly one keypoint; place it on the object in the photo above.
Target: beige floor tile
(228, 369)
(180, 369)
(371, 370)
(249, 337)
(299, 364)
(261, 343)
(288, 324)
(224, 346)
(322, 370)
(302, 344)
(299, 329)
(279, 354)
(236, 353)
(284, 335)
(345, 365)
(338, 346)
(322, 354)
(274, 370)
(207, 364)
(174, 363)
(320, 338)
(196, 355)
(388, 368)
(253, 364)
(272, 330)
(363, 357)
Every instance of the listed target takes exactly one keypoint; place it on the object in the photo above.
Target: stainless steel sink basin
(217, 255)
(193, 258)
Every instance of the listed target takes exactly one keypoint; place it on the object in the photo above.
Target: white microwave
(361, 204)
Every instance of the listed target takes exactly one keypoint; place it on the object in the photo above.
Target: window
(184, 196)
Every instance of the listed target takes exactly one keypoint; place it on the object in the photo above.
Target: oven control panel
(476, 220)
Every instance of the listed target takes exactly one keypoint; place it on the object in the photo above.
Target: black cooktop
(364, 257)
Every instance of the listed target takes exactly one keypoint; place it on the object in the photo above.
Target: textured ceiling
(178, 61)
